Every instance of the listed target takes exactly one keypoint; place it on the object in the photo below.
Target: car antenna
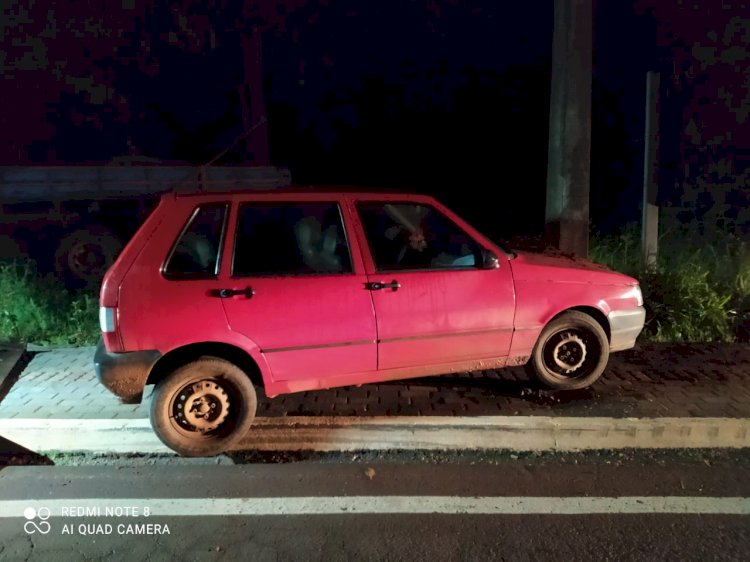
(201, 172)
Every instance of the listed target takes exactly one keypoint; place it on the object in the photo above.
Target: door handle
(229, 293)
(379, 285)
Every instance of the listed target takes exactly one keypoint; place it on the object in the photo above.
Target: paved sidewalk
(653, 380)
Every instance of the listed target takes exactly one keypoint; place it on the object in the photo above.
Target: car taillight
(107, 319)
(108, 324)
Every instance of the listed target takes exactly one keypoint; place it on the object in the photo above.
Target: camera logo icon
(41, 526)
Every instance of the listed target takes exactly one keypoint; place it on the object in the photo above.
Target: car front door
(297, 291)
(436, 301)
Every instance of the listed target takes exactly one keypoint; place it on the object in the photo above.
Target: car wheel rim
(570, 354)
(202, 407)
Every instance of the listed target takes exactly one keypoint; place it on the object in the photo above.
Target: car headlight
(638, 295)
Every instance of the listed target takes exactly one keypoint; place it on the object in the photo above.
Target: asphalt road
(595, 506)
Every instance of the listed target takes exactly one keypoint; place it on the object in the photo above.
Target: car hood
(528, 266)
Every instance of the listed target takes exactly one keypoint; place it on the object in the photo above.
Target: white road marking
(337, 505)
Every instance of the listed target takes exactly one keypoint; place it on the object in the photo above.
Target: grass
(699, 289)
(39, 310)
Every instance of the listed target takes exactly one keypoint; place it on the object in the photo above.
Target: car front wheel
(204, 407)
(571, 353)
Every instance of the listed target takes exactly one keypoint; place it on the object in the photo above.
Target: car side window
(290, 239)
(195, 255)
(408, 236)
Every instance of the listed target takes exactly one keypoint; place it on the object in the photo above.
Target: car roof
(293, 190)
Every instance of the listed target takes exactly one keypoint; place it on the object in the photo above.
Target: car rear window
(196, 253)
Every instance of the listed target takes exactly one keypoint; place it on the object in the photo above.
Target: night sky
(445, 97)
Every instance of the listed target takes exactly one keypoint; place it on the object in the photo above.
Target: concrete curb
(520, 433)
(43, 348)
(10, 355)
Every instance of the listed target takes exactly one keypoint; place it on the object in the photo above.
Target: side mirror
(489, 260)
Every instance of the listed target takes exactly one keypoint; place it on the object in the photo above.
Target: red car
(302, 290)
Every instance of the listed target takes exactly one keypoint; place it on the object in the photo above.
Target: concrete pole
(254, 112)
(569, 155)
(650, 221)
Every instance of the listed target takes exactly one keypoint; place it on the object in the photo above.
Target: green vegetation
(699, 290)
(39, 310)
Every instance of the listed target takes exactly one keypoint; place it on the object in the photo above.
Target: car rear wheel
(204, 407)
(571, 353)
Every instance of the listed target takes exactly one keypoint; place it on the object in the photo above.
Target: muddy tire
(203, 408)
(84, 255)
(571, 353)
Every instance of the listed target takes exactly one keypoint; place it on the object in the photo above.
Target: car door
(162, 301)
(436, 302)
(296, 290)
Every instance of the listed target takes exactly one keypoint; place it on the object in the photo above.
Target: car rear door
(297, 290)
(435, 302)
(163, 300)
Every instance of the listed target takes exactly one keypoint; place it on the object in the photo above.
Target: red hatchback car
(302, 290)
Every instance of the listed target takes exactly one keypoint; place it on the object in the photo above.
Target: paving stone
(651, 380)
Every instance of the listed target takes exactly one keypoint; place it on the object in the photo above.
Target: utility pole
(254, 108)
(569, 154)
(650, 221)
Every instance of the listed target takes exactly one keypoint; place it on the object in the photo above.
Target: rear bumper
(625, 326)
(124, 374)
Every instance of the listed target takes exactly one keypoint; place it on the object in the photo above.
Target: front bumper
(625, 325)
(124, 374)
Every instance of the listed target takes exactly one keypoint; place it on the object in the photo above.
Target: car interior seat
(317, 246)
(194, 254)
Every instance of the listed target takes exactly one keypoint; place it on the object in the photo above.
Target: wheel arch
(185, 354)
(592, 311)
